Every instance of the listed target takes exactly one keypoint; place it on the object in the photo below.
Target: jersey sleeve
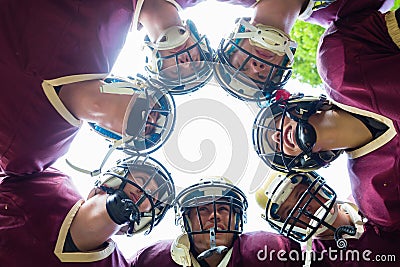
(343, 8)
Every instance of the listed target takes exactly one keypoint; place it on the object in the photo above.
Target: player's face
(188, 61)
(255, 69)
(142, 179)
(152, 119)
(287, 206)
(287, 136)
(343, 217)
(298, 204)
(206, 213)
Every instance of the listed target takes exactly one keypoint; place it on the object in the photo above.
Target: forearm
(158, 15)
(86, 102)
(78, 97)
(92, 226)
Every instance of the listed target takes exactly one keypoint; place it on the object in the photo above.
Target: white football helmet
(211, 191)
(314, 208)
(182, 68)
(148, 122)
(268, 122)
(152, 180)
(150, 102)
(232, 77)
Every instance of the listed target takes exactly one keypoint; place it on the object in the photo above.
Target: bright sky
(212, 135)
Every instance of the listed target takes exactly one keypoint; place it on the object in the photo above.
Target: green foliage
(396, 4)
(307, 37)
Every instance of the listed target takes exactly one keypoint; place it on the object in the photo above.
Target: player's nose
(258, 67)
(213, 215)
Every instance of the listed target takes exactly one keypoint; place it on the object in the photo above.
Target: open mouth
(288, 136)
(134, 196)
(220, 227)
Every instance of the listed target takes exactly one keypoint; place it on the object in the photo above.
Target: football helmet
(185, 70)
(152, 184)
(214, 191)
(312, 212)
(271, 76)
(269, 121)
(149, 119)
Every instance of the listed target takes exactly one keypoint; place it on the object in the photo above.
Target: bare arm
(92, 226)
(157, 16)
(85, 101)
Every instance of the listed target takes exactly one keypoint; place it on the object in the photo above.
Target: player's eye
(223, 208)
(203, 209)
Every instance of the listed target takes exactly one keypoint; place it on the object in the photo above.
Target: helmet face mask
(149, 118)
(275, 74)
(269, 122)
(149, 184)
(185, 70)
(211, 195)
(315, 207)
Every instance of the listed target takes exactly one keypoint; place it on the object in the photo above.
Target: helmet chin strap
(346, 229)
(213, 247)
(340, 230)
(330, 218)
(97, 171)
(328, 221)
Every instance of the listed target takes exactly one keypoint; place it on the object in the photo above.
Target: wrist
(121, 209)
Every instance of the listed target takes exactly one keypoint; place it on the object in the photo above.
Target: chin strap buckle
(213, 247)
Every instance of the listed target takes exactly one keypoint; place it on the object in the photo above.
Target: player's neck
(158, 15)
(342, 219)
(281, 14)
(337, 129)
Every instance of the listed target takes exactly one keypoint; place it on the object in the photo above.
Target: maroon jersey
(250, 249)
(35, 214)
(372, 248)
(244, 3)
(43, 44)
(358, 61)
(339, 9)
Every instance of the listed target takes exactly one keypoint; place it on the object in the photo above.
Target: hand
(121, 208)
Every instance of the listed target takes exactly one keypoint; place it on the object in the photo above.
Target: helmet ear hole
(136, 118)
(306, 136)
(163, 39)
